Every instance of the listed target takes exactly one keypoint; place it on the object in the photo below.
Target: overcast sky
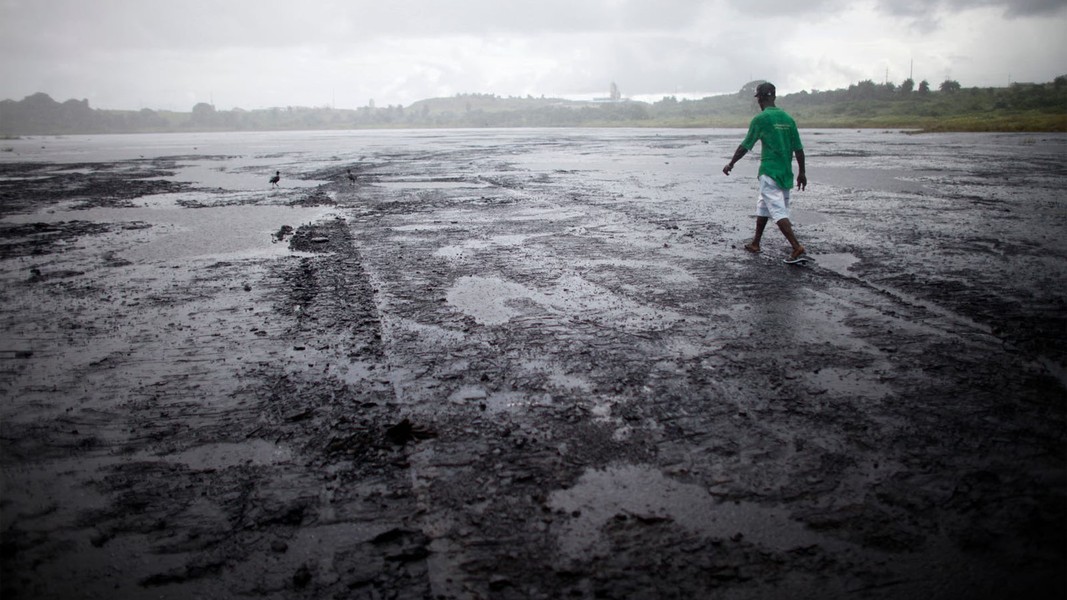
(132, 54)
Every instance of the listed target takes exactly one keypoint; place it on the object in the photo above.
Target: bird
(351, 177)
(277, 177)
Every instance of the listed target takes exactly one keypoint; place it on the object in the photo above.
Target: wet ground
(531, 365)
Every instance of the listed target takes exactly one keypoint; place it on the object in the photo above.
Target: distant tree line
(1020, 106)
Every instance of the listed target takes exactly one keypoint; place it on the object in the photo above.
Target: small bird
(351, 177)
(277, 177)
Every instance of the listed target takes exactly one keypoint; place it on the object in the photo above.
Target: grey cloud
(123, 24)
(1011, 8)
(927, 16)
(254, 53)
(529, 17)
(790, 8)
(1032, 8)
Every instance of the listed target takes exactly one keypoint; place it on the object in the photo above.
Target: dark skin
(761, 222)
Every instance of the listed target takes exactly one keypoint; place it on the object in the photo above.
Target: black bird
(351, 177)
(277, 177)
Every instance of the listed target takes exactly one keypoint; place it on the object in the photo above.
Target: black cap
(765, 89)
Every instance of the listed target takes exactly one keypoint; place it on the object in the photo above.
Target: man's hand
(802, 181)
(738, 155)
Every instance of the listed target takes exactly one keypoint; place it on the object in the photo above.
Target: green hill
(1019, 107)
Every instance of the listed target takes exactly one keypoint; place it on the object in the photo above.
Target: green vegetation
(1019, 107)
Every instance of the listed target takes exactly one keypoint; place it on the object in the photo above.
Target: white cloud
(136, 53)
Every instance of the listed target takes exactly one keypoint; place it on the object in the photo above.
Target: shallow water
(867, 159)
(643, 493)
(226, 232)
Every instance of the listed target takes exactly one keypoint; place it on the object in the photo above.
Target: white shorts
(773, 201)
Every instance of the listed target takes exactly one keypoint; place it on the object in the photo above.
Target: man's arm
(738, 155)
(802, 177)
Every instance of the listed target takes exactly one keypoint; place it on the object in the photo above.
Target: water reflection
(229, 231)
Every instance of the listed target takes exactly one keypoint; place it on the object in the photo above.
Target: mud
(515, 365)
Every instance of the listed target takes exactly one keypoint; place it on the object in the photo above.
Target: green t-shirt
(778, 132)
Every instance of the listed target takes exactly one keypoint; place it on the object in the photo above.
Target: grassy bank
(1027, 122)
(1005, 121)
(1020, 107)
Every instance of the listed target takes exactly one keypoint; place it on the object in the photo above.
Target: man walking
(777, 132)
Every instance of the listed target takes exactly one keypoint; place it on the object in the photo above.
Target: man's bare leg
(761, 224)
(787, 230)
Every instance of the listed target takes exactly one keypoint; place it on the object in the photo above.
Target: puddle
(173, 201)
(496, 301)
(230, 231)
(488, 300)
(651, 268)
(458, 251)
(600, 495)
(854, 177)
(808, 217)
(493, 402)
(430, 185)
(576, 383)
(210, 174)
(27, 178)
(840, 263)
(848, 382)
(221, 456)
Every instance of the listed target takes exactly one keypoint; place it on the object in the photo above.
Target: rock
(302, 577)
(404, 432)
